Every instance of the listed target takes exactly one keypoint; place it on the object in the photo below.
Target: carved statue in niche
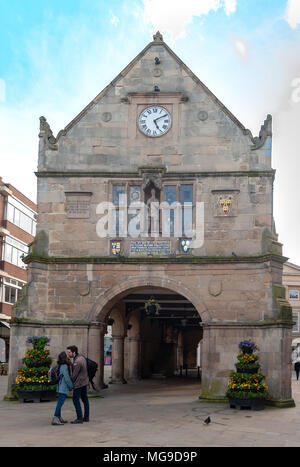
(152, 200)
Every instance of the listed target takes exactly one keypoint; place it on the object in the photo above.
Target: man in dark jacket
(81, 381)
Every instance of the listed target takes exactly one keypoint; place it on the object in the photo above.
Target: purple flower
(247, 345)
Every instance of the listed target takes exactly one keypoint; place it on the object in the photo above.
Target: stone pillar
(134, 357)
(16, 355)
(93, 351)
(117, 369)
(220, 350)
(102, 333)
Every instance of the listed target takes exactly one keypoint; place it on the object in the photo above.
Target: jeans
(60, 403)
(81, 393)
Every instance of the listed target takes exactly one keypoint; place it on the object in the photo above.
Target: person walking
(81, 381)
(64, 386)
(297, 368)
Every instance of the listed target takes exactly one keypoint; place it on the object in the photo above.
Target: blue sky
(56, 56)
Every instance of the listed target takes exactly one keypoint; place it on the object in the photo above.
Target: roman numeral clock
(154, 121)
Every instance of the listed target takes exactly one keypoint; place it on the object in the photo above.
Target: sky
(57, 55)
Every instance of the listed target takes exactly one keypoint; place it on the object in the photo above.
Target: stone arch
(115, 293)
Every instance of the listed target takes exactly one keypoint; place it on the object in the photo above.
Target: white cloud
(2, 90)
(241, 48)
(174, 15)
(293, 13)
(114, 19)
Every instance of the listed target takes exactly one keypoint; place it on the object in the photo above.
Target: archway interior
(159, 345)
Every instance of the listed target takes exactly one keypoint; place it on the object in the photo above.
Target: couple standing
(72, 376)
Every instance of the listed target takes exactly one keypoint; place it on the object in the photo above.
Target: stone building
(155, 191)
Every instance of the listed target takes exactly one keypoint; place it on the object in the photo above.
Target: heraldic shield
(185, 245)
(116, 248)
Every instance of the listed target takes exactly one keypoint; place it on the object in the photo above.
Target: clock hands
(156, 125)
(166, 115)
(155, 120)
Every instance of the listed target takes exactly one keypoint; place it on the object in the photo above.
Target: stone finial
(46, 134)
(158, 37)
(265, 132)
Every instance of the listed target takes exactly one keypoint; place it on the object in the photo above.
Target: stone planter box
(36, 396)
(251, 371)
(251, 403)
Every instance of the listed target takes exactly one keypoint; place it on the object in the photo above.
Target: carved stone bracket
(47, 134)
(265, 132)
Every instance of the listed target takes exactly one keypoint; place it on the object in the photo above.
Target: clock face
(154, 121)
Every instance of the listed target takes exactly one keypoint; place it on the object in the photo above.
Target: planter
(36, 396)
(250, 403)
(251, 371)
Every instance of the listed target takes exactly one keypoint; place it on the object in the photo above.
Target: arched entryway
(158, 345)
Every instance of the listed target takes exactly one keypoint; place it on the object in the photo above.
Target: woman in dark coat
(64, 386)
(297, 368)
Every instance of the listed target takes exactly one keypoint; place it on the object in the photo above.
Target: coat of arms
(185, 245)
(115, 248)
(225, 204)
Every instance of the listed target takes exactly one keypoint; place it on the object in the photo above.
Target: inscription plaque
(78, 205)
(153, 248)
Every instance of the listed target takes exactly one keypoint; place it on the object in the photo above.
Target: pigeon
(207, 420)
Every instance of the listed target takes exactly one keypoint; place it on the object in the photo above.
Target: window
(294, 294)
(167, 211)
(21, 216)
(134, 214)
(186, 199)
(13, 250)
(170, 198)
(11, 290)
(119, 200)
(295, 317)
(184, 196)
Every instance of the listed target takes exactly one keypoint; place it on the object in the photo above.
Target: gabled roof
(290, 267)
(157, 39)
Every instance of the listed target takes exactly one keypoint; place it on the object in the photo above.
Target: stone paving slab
(150, 413)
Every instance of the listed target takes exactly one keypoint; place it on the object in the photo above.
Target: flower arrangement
(243, 385)
(247, 346)
(38, 342)
(246, 382)
(247, 361)
(34, 375)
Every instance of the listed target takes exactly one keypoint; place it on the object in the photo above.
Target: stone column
(134, 357)
(102, 333)
(117, 369)
(93, 351)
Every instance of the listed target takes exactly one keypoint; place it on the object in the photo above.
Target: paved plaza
(150, 413)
